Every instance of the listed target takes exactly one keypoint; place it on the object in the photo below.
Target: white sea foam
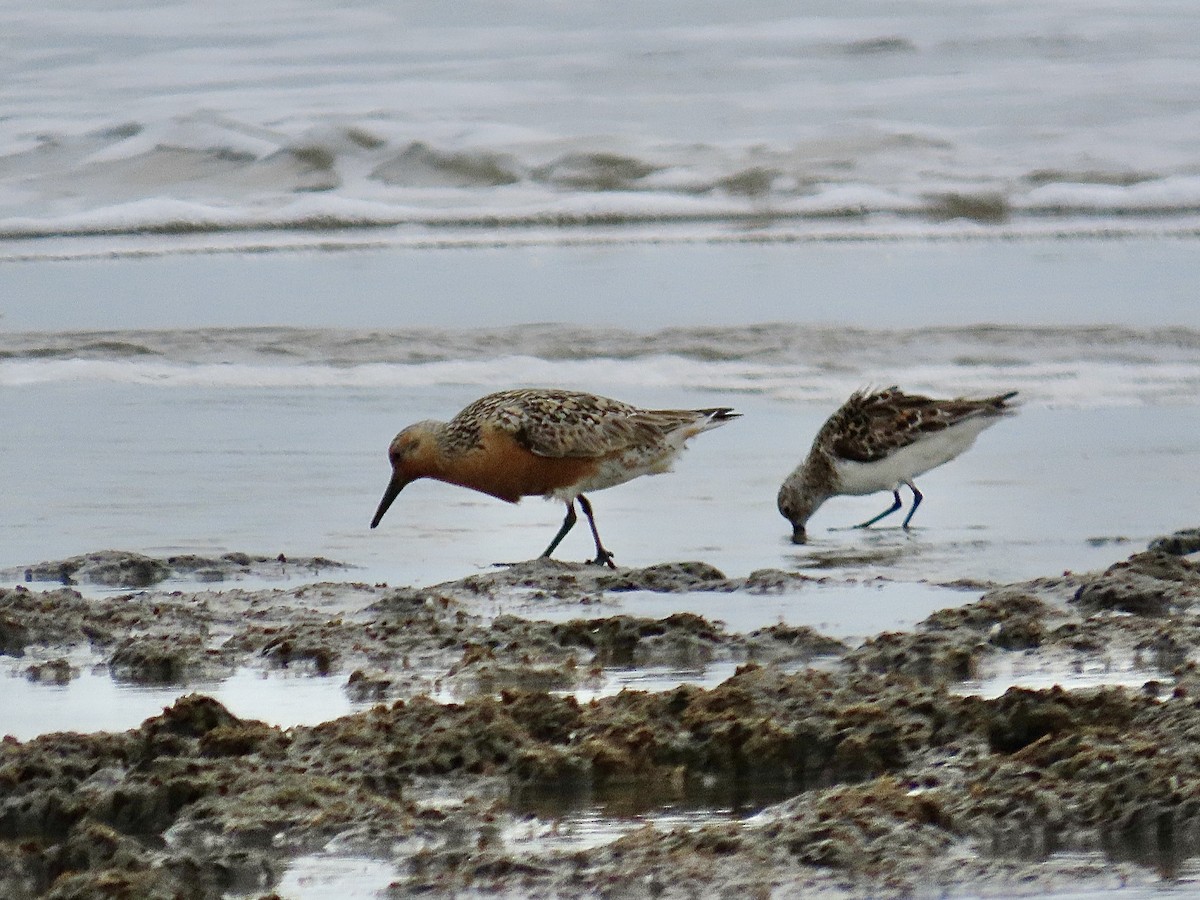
(646, 372)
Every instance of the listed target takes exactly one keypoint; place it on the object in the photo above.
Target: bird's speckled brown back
(870, 425)
(558, 423)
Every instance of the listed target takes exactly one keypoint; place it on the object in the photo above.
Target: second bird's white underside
(907, 463)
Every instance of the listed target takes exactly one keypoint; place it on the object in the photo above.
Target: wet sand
(482, 734)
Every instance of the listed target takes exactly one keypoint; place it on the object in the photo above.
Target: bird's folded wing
(872, 427)
(596, 429)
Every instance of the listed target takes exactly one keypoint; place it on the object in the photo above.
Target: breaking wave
(539, 121)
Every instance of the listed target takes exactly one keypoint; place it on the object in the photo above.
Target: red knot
(552, 443)
(880, 440)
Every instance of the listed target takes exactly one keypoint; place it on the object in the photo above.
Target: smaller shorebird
(557, 444)
(880, 440)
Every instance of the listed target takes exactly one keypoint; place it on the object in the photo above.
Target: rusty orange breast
(503, 468)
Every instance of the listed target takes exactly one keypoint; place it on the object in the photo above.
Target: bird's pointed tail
(712, 418)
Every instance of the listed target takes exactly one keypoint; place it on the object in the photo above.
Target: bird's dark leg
(603, 557)
(887, 512)
(567, 525)
(916, 502)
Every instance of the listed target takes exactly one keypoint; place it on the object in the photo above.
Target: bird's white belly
(908, 462)
(619, 469)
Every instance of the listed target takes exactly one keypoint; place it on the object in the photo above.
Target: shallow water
(1036, 674)
(333, 876)
(848, 611)
(93, 701)
(299, 472)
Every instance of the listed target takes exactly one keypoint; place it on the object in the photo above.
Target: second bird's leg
(916, 502)
(887, 512)
(603, 557)
(567, 525)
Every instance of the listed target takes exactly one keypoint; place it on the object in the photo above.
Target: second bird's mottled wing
(871, 425)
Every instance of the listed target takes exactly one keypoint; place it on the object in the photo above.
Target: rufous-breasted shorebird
(552, 443)
(879, 440)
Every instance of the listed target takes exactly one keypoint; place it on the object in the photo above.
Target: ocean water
(226, 125)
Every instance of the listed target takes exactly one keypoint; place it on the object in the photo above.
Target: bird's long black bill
(395, 486)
